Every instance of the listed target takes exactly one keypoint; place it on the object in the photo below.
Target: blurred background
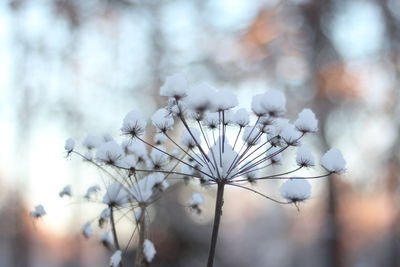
(71, 68)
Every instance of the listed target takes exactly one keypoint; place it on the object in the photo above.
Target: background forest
(71, 68)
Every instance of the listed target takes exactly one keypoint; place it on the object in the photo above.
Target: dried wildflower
(38, 212)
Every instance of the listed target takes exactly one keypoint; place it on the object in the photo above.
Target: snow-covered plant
(134, 179)
(218, 144)
(38, 211)
(215, 156)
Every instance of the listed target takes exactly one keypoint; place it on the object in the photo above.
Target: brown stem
(217, 219)
(142, 231)
(114, 230)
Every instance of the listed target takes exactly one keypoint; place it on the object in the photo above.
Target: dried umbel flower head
(140, 171)
(38, 212)
(196, 200)
(66, 191)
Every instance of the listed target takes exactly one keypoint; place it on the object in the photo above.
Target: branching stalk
(140, 261)
(114, 230)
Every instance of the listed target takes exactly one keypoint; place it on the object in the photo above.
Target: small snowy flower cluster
(219, 144)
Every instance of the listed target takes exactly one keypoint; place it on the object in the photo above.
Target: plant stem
(217, 219)
(142, 231)
(114, 230)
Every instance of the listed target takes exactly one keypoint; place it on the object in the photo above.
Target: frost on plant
(201, 135)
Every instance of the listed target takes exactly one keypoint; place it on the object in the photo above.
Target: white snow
(148, 250)
(175, 86)
(162, 120)
(92, 190)
(333, 161)
(187, 139)
(223, 99)
(196, 199)
(87, 230)
(296, 190)
(304, 157)
(133, 124)
(66, 191)
(242, 117)
(69, 145)
(274, 101)
(109, 153)
(38, 211)
(115, 195)
(116, 258)
(91, 141)
(306, 121)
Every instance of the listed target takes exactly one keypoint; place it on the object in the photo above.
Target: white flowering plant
(202, 116)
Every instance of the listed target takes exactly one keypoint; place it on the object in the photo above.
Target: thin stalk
(217, 219)
(139, 261)
(209, 148)
(114, 230)
(223, 131)
(237, 137)
(259, 193)
(183, 162)
(184, 151)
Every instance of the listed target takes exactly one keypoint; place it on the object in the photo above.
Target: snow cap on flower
(109, 153)
(142, 191)
(38, 212)
(69, 145)
(256, 105)
(106, 239)
(116, 258)
(91, 191)
(137, 148)
(115, 195)
(296, 190)
(159, 138)
(91, 141)
(177, 108)
(196, 199)
(175, 86)
(107, 137)
(187, 139)
(274, 102)
(162, 120)
(228, 117)
(104, 215)
(66, 191)
(223, 99)
(304, 158)
(275, 155)
(290, 135)
(242, 117)
(224, 160)
(200, 97)
(333, 161)
(211, 120)
(251, 135)
(133, 124)
(159, 157)
(158, 181)
(127, 162)
(306, 121)
(148, 250)
(87, 230)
